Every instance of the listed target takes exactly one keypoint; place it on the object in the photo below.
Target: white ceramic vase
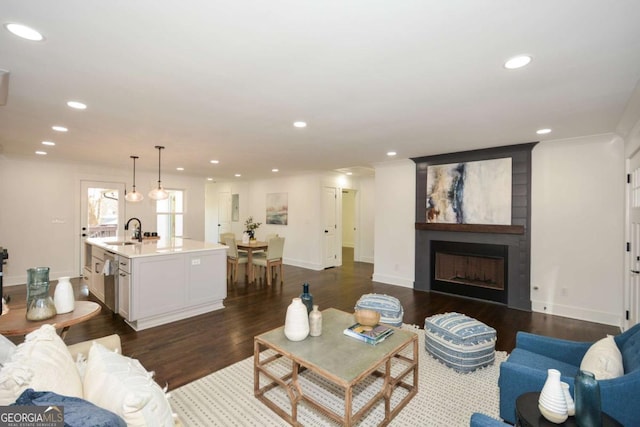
(63, 296)
(571, 406)
(315, 322)
(296, 323)
(552, 402)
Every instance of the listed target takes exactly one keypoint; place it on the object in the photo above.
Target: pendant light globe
(159, 193)
(134, 196)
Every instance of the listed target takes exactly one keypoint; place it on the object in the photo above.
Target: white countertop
(152, 247)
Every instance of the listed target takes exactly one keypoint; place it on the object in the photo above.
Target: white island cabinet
(163, 281)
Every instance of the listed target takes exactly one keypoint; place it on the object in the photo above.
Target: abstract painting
(470, 193)
(277, 208)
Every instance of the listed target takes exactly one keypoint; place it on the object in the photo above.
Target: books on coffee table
(369, 334)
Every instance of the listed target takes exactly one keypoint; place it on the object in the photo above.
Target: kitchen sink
(122, 243)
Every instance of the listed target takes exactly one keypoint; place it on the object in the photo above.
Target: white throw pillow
(603, 359)
(43, 363)
(7, 348)
(122, 385)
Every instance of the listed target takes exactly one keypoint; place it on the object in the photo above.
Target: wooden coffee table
(15, 321)
(341, 360)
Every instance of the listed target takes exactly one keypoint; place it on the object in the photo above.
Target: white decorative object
(571, 407)
(315, 322)
(552, 402)
(63, 297)
(245, 238)
(296, 324)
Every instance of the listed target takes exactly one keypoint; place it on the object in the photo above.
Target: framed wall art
(476, 192)
(277, 208)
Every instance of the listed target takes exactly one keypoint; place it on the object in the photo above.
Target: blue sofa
(526, 370)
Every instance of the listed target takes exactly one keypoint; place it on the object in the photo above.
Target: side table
(528, 414)
(16, 323)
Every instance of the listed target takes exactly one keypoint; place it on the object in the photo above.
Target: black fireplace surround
(512, 241)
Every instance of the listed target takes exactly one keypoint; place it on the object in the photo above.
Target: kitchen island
(155, 282)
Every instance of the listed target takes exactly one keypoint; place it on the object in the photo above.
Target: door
(632, 285)
(330, 220)
(224, 213)
(102, 211)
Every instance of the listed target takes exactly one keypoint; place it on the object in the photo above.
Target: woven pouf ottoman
(390, 309)
(460, 342)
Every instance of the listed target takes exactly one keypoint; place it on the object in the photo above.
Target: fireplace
(475, 270)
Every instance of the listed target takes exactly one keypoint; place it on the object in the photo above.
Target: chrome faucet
(138, 233)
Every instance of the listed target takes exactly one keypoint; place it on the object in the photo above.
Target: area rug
(445, 397)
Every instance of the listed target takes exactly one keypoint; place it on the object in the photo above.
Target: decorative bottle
(296, 323)
(40, 305)
(315, 322)
(63, 296)
(588, 409)
(552, 403)
(306, 297)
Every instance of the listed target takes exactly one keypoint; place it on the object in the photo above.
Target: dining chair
(223, 236)
(234, 257)
(271, 258)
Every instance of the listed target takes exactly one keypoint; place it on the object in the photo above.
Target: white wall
(578, 191)
(366, 212)
(305, 229)
(395, 200)
(35, 192)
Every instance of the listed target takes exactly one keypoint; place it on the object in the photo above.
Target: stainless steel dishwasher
(111, 281)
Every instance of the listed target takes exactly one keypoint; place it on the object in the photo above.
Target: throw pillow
(603, 359)
(77, 412)
(41, 362)
(7, 348)
(122, 385)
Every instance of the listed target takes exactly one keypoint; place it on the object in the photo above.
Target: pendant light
(134, 196)
(159, 193)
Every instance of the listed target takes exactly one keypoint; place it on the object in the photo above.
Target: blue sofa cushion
(390, 309)
(631, 353)
(77, 412)
(542, 363)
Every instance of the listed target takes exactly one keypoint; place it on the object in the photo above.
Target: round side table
(528, 414)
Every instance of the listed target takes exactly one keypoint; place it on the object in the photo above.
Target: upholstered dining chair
(234, 257)
(223, 236)
(271, 258)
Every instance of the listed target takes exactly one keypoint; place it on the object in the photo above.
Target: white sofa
(94, 371)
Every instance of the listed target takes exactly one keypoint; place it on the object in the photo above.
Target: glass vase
(306, 297)
(587, 391)
(40, 305)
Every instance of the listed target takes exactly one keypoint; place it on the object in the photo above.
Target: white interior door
(632, 285)
(102, 211)
(224, 213)
(330, 219)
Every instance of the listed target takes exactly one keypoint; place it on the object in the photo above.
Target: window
(170, 215)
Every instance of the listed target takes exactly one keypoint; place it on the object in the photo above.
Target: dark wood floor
(189, 349)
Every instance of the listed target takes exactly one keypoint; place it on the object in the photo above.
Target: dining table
(250, 248)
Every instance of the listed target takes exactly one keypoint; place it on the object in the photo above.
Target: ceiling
(225, 80)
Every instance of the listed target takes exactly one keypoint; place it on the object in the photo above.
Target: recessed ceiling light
(41, 153)
(349, 173)
(215, 162)
(179, 169)
(300, 124)
(24, 32)
(275, 170)
(48, 143)
(543, 131)
(209, 179)
(391, 153)
(59, 128)
(77, 105)
(517, 62)
(237, 175)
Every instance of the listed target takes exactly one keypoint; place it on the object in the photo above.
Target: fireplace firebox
(475, 270)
